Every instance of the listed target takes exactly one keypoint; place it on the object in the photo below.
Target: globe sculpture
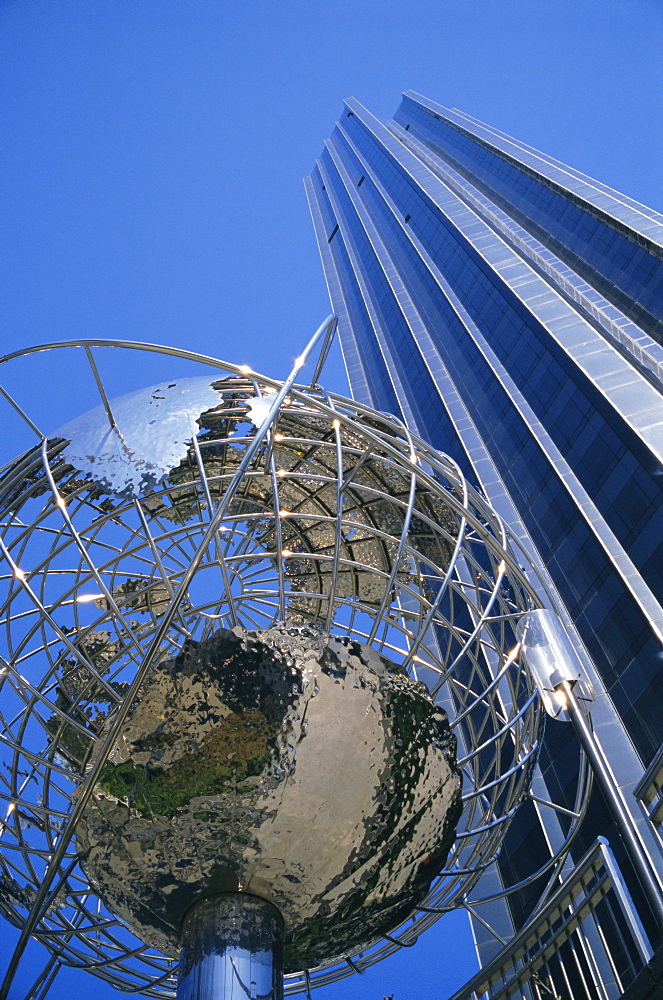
(260, 685)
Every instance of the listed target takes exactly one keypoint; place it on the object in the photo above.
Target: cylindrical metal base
(232, 949)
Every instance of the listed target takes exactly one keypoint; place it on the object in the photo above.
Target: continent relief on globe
(305, 769)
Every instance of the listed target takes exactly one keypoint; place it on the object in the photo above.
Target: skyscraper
(510, 310)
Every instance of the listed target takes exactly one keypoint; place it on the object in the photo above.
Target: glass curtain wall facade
(510, 310)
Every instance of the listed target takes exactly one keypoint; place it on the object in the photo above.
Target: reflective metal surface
(304, 769)
(551, 659)
(231, 948)
(327, 516)
(148, 437)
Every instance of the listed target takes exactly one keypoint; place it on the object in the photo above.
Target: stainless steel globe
(237, 613)
(304, 769)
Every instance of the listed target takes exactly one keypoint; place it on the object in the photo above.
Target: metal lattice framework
(287, 502)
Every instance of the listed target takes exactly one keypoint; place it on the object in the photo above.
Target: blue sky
(153, 152)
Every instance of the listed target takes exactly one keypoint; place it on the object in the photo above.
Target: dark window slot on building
(333, 234)
(360, 181)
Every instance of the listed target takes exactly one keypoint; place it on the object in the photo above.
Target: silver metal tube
(620, 813)
(232, 949)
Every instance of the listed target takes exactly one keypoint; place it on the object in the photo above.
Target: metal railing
(563, 953)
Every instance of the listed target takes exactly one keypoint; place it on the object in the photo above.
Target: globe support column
(232, 949)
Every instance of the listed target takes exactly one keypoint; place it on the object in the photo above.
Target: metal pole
(620, 813)
(324, 351)
(232, 949)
